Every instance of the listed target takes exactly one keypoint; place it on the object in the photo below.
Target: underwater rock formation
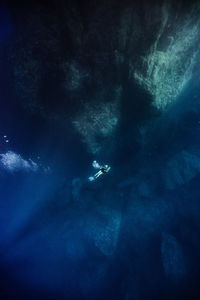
(104, 230)
(172, 258)
(75, 76)
(98, 122)
(180, 169)
(170, 62)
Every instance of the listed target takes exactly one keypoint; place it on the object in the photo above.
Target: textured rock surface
(173, 258)
(104, 230)
(171, 59)
(181, 169)
(89, 60)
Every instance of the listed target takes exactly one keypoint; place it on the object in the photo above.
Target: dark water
(68, 97)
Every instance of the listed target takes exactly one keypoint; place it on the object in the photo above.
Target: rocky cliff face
(83, 62)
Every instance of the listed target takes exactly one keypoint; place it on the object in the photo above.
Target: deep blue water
(132, 234)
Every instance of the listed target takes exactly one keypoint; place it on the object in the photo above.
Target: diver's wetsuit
(103, 170)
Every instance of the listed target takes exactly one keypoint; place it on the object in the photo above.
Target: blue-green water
(117, 83)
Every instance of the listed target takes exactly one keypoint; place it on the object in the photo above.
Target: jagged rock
(75, 76)
(98, 121)
(104, 230)
(182, 168)
(169, 68)
(172, 258)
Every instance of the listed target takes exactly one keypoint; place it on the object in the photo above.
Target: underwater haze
(99, 150)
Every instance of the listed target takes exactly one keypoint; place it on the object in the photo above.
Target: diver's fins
(91, 178)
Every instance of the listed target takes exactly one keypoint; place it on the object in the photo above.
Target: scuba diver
(102, 170)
